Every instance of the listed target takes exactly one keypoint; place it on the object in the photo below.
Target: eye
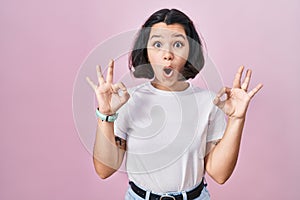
(157, 44)
(178, 44)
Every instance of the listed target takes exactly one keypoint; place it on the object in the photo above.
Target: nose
(168, 55)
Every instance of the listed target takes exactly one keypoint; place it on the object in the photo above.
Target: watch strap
(107, 118)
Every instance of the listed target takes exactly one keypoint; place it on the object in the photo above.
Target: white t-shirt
(166, 134)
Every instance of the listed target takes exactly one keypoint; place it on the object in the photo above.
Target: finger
(218, 101)
(110, 72)
(224, 90)
(99, 75)
(120, 86)
(237, 78)
(114, 88)
(91, 83)
(255, 90)
(125, 95)
(246, 82)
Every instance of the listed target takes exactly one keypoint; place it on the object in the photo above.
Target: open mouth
(168, 71)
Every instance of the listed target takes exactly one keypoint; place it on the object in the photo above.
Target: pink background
(43, 44)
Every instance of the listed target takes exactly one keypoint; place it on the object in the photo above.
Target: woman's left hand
(236, 103)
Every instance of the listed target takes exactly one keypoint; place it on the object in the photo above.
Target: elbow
(102, 170)
(103, 174)
(221, 180)
(218, 177)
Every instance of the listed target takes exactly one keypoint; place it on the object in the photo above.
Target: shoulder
(137, 94)
(142, 87)
(139, 91)
(205, 98)
(203, 93)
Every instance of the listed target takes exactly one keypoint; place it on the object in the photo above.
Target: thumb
(218, 102)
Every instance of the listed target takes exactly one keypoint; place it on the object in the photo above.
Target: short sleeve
(121, 124)
(216, 125)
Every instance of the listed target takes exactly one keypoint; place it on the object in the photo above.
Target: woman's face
(168, 50)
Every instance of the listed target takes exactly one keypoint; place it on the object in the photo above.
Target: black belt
(190, 194)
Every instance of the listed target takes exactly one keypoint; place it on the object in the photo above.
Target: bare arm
(221, 161)
(108, 154)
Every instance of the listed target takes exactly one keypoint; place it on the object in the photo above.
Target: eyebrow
(176, 35)
(179, 35)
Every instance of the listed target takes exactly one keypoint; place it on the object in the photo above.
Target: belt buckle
(166, 197)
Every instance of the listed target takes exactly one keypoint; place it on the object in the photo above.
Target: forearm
(108, 156)
(221, 161)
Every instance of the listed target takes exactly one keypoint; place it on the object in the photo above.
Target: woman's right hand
(107, 93)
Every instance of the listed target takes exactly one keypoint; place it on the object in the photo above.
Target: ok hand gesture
(236, 103)
(107, 93)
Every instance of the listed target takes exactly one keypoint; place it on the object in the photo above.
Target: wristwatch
(107, 118)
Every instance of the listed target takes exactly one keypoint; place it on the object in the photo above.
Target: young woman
(172, 132)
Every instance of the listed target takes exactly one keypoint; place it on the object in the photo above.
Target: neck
(179, 86)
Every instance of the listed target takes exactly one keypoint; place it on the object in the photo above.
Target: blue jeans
(131, 195)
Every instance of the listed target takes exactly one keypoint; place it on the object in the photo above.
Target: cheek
(182, 58)
(181, 64)
(153, 57)
(185, 53)
(182, 54)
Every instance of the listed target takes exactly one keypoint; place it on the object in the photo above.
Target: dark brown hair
(138, 59)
